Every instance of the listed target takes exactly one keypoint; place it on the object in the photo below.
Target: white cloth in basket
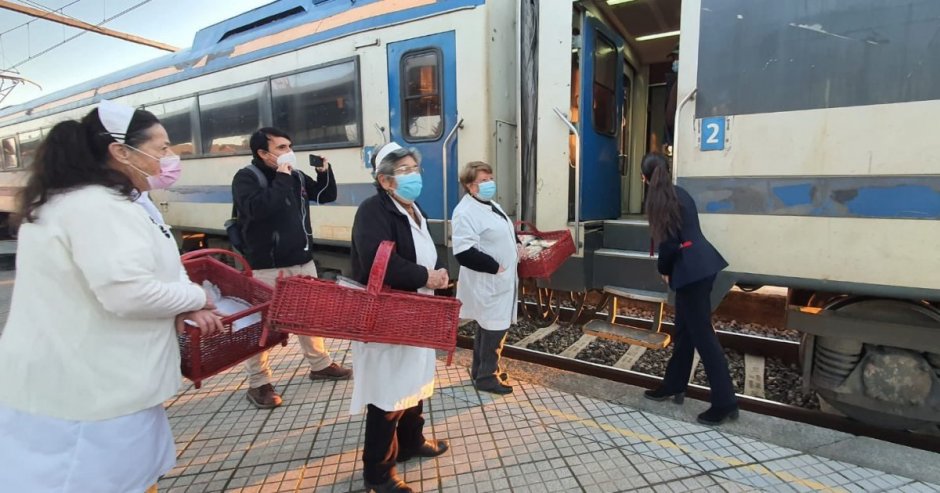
(228, 305)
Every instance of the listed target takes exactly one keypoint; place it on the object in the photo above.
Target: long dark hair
(662, 204)
(75, 154)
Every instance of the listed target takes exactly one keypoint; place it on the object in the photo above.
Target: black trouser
(389, 434)
(693, 331)
(487, 348)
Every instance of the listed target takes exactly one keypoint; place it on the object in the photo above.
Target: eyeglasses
(404, 170)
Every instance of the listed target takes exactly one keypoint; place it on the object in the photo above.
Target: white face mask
(288, 158)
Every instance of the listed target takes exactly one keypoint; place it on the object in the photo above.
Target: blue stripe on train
(883, 197)
(348, 194)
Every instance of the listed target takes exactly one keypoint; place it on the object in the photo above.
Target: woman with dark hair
(688, 264)
(89, 352)
(392, 380)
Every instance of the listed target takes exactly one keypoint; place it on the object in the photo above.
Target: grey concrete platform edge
(822, 442)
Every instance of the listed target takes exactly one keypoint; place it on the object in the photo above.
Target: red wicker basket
(202, 357)
(546, 262)
(316, 307)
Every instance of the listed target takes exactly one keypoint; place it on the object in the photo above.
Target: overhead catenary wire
(71, 38)
(57, 11)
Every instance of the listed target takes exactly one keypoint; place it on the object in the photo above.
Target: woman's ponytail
(662, 204)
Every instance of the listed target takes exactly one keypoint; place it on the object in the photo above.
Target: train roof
(278, 27)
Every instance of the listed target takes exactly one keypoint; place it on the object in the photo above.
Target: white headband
(116, 118)
(385, 151)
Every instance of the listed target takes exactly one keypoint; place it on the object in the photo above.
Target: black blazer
(697, 261)
(378, 220)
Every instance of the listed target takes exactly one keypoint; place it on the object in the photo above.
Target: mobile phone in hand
(316, 161)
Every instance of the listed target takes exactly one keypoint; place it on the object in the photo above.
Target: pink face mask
(170, 170)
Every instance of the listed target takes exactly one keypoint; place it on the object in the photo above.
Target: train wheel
(581, 310)
(836, 359)
(539, 305)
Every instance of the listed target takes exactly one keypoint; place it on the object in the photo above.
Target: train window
(177, 118)
(228, 118)
(320, 108)
(10, 158)
(605, 82)
(421, 94)
(29, 143)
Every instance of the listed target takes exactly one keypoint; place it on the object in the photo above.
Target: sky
(174, 22)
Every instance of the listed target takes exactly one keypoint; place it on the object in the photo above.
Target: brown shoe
(264, 397)
(430, 448)
(332, 372)
(394, 485)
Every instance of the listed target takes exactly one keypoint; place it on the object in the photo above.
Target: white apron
(393, 377)
(126, 454)
(490, 299)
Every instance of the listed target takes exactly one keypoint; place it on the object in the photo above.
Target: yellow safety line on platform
(731, 461)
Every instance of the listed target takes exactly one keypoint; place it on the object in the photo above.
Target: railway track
(754, 348)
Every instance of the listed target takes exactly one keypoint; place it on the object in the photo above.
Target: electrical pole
(68, 21)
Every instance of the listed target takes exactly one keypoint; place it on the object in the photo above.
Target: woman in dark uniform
(688, 264)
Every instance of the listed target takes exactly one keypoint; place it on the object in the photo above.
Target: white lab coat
(490, 299)
(144, 201)
(393, 377)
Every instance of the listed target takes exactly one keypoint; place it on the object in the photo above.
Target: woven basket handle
(532, 229)
(205, 252)
(379, 266)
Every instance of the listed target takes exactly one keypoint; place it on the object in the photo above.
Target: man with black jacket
(273, 211)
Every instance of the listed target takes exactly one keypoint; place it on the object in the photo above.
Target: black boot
(496, 388)
(661, 394)
(718, 415)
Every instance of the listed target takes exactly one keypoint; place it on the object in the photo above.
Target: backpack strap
(262, 180)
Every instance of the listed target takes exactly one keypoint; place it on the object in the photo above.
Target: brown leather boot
(394, 485)
(264, 397)
(332, 372)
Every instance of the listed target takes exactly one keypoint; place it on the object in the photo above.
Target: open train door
(601, 105)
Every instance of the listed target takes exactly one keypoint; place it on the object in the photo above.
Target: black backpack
(234, 227)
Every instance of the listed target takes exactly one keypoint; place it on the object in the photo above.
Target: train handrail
(675, 135)
(577, 176)
(447, 140)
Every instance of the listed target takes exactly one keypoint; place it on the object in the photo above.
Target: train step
(628, 269)
(632, 234)
(626, 334)
(653, 338)
(657, 297)
(637, 294)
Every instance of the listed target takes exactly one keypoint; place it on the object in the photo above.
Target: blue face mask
(409, 186)
(675, 66)
(487, 190)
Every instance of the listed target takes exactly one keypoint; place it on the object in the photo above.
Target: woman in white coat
(393, 380)
(485, 246)
(89, 352)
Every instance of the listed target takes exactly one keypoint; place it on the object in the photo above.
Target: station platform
(557, 432)
(537, 439)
